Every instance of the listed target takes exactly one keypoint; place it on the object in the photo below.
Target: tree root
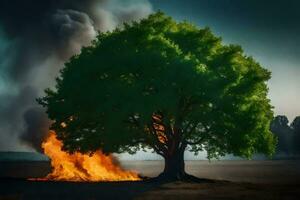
(166, 178)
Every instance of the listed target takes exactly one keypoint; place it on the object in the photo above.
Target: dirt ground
(221, 190)
(253, 180)
(17, 189)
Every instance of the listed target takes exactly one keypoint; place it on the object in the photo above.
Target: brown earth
(244, 180)
(17, 189)
(222, 190)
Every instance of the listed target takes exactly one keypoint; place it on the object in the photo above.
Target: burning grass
(82, 167)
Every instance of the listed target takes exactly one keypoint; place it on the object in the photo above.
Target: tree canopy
(288, 136)
(280, 127)
(165, 85)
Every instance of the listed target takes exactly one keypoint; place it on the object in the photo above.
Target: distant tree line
(288, 134)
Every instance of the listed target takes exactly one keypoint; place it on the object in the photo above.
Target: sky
(37, 37)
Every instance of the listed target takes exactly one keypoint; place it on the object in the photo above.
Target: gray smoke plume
(36, 38)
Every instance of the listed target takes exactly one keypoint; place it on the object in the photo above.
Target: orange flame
(82, 167)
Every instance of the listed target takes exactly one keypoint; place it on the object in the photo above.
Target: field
(268, 171)
(276, 179)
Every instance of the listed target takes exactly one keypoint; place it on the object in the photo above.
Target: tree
(296, 130)
(280, 127)
(163, 85)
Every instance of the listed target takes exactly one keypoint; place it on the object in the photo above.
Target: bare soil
(227, 180)
(17, 189)
(221, 190)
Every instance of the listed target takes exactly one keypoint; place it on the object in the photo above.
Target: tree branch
(167, 129)
(155, 136)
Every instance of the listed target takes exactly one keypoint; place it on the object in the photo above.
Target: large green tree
(165, 85)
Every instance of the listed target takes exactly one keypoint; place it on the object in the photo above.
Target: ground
(226, 180)
(221, 190)
(16, 189)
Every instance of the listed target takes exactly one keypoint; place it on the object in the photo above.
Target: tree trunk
(174, 166)
(175, 170)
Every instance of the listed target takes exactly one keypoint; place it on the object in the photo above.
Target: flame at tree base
(82, 167)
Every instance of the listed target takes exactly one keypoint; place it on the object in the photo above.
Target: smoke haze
(37, 37)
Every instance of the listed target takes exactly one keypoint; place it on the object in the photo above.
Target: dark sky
(37, 37)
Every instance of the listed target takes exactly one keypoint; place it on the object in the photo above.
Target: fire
(82, 167)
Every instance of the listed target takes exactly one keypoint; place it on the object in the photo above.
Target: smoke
(37, 37)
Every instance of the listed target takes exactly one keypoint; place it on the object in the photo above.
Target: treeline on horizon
(288, 135)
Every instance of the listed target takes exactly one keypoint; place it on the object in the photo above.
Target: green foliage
(210, 95)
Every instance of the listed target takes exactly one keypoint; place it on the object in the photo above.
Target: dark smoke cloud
(41, 36)
(36, 124)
